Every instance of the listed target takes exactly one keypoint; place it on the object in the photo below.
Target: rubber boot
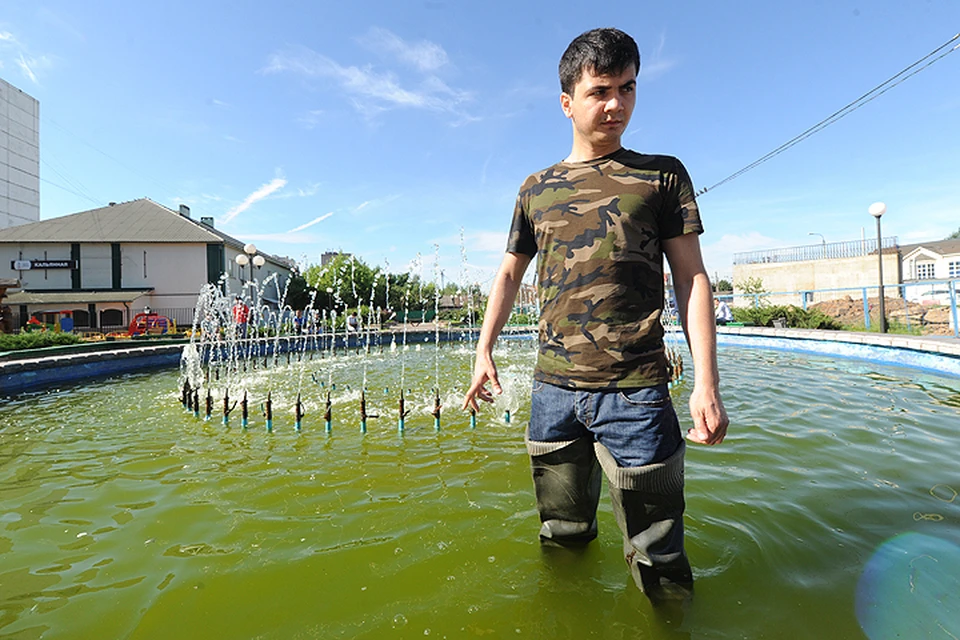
(648, 504)
(567, 479)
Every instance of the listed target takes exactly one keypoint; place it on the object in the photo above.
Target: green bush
(795, 316)
(523, 319)
(21, 341)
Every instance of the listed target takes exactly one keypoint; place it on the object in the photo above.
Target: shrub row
(20, 341)
(795, 316)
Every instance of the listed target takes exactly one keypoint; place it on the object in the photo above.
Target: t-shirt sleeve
(522, 238)
(680, 214)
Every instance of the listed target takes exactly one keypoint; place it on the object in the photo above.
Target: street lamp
(243, 261)
(877, 209)
(822, 239)
(249, 256)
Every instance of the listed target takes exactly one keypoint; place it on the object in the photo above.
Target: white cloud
(15, 51)
(283, 238)
(426, 56)
(369, 90)
(256, 196)
(26, 68)
(655, 64)
(375, 203)
(311, 223)
(485, 242)
(311, 119)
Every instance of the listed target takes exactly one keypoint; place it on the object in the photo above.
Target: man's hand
(710, 419)
(485, 370)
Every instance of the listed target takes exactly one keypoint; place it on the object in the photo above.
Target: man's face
(600, 108)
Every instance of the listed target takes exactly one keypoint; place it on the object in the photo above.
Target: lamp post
(877, 209)
(823, 243)
(243, 261)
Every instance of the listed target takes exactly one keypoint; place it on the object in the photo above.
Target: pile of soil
(932, 319)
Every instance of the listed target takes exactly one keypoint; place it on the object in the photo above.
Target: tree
(724, 285)
(954, 236)
(754, 285)
(298, 292)
(343, 283)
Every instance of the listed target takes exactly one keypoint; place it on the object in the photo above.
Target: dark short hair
(602, 51)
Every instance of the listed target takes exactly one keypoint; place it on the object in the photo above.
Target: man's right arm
(502, 295)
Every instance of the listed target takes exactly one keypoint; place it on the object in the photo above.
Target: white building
(937, 262)
(19, 157)
(107, 264)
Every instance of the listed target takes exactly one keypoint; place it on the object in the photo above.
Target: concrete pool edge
(933, 354)
(938, 355)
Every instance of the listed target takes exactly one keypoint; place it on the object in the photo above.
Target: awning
(67, 298)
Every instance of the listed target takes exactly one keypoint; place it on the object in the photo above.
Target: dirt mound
(932, 319)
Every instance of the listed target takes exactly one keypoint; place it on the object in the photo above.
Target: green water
(122, 516)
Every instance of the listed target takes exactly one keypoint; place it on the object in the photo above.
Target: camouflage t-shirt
(595, 228)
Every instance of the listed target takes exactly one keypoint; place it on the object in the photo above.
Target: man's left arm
(695, 307)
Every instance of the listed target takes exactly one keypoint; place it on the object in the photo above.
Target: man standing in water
(599, 223)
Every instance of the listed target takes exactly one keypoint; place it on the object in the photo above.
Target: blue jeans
(638, 426)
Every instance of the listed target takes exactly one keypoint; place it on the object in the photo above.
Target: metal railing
(825, 251)
(926, 307)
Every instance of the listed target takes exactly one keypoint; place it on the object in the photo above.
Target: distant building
(19, 157)
(107, 264)
(831, 270)
(937, 261)
(329, 256)
(823, 268)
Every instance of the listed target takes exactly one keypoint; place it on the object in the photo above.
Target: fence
(825, 251)
(927, 307)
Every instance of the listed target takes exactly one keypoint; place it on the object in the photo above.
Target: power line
(873, 94)
(107, 155)
(76, 193)
(75, 184)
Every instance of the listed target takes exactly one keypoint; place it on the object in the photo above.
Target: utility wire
(873, 94)
(76, 193)
(75, 184)
(107, 155)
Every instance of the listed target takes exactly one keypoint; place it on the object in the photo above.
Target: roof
(74, 297)
(942, 247)
(140, 220)
(135, 221)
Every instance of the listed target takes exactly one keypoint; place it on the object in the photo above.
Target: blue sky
(384, 128)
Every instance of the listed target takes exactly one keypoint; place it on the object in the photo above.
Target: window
(955, 269)
(81, 318)
(111, 318)
(924, 271)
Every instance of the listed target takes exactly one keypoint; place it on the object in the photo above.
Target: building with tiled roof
(107, 264)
